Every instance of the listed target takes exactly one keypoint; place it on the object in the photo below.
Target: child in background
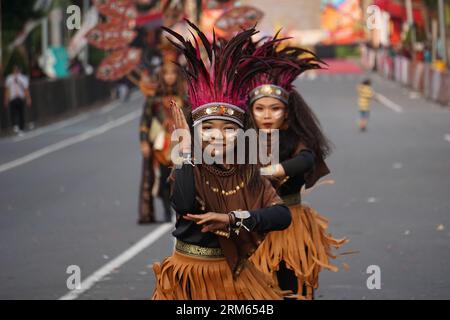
(365, 93)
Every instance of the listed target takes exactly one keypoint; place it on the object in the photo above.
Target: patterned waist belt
(292, 199)
(198, 251)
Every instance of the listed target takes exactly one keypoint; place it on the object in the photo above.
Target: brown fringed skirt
(305, 247)
(186, 277)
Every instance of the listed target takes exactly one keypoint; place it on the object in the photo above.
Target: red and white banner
(119, 63)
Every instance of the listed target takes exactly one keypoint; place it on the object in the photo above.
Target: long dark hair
(303, 127)
(248, 170)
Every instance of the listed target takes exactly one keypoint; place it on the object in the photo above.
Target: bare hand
(210, 221)
(273, 171)
(178, 116)
(181, 123)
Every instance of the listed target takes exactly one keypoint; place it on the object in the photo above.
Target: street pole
(410, 17)
(44, 37)
(442, 29)
(434, 35)
(55, 27)
(85, 54)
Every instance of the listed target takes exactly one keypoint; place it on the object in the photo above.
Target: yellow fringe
(183, 277)
(305, 247)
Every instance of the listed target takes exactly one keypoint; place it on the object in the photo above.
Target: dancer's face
(269, 113)
(218, 134)
(170, 76)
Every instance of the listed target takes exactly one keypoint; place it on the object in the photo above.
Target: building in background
(300, 19)
(342, 21)
(411, 27)
(325, 22)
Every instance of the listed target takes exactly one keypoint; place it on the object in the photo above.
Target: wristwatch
(187, 159)
(239, 217)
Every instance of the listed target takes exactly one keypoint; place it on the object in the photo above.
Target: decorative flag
(239, 18)
(119, 63)
(110, 36)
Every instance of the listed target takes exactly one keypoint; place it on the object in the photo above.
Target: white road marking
(447, 137)
(57, 126)
(133, 97)
(414, 95)
(372, 200)
(397, 165)
(118, 261)
(109, 108)
(65, 123)
(388, 103)
(70, 141)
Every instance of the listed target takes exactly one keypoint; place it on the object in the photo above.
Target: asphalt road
(69, 198)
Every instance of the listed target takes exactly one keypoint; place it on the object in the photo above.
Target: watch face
(242, 214)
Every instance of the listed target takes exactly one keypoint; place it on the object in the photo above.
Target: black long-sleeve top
(296, 168)
(183, 199)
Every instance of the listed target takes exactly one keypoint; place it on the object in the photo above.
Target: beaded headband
(220, 111)
(269, 90)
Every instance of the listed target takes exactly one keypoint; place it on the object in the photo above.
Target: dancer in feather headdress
(295, 256)
(223, 209)
(155, 128)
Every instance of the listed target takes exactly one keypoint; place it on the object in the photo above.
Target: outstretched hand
(210, 221)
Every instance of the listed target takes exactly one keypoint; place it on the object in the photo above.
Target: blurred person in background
(365, 93)
(427, 57)
(16, 97)
(155, 136)
(36, 70)
(76, 67)
(123, 89)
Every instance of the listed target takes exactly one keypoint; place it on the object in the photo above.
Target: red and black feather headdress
(219, 83)
(278, 82)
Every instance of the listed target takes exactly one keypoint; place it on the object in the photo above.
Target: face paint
(269, 113)
(209, 134)
(219, 134)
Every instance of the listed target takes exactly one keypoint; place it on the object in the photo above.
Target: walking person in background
(155, 136)
(365, 93)
(17, 96)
